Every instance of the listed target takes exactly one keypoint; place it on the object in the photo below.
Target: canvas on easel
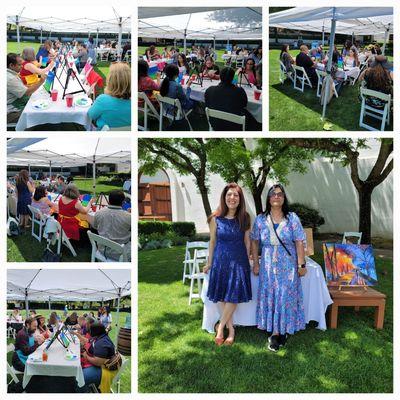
(349, 265)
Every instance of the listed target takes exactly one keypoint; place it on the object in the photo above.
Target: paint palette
(83, 101)
(41, 104)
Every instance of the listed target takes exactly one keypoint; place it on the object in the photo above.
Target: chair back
(175, 103)
(373, 93)
(357, 235)
(200, 257)
(300, 71)
(148, 109)
(225, 116)
(121, 369)
(97, 240)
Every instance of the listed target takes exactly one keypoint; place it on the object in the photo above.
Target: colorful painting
(349, 264)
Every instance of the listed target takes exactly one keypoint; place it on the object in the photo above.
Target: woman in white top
(351, 60)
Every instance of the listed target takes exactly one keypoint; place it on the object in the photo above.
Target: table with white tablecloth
(56, 365)
(57, 112)
(253, 106)
(343, 73)
(316, 299)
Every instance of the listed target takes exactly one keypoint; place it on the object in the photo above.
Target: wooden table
(357, 297)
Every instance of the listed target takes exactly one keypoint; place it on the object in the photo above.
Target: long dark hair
(241, 215)
(171, 70)
(253, 67)
(285, 205)
(143, 69)
(185, 63)
(284, 49)
(40, 192)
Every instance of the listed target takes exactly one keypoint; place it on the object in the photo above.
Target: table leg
(334, 316)
(379, 315)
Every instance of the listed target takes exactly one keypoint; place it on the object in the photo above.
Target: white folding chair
(10, 369)
(200, 257)
(381, 114)
(148, 110)
(176, 106)
(97, 240)
(63, 239)
(300, 75)
(189, 257)
(237, 119)
(353, 79)
(284, 74)
(321, 75)
(11, 332)
(38, 218)
(357, 235)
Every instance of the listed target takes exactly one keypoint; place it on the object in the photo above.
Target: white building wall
(326, 187)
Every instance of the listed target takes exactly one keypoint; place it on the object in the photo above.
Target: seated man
(60, 187)
(25, 344)
(114, 223)
(17, 93)
(303, 60)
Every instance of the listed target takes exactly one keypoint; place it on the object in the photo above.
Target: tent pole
(97, 38)
(29, 169)
(41, 35)
(352, 38)
(386, 40)
(49, 304)
(118, 304)
(17, 23)
(94, 175)
(26, 303)
(50, 170)
(323, 35)
(184, 41)
(328, 77)
(119, 38)
(214, 44)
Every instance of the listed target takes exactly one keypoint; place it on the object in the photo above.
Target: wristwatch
(301, 265)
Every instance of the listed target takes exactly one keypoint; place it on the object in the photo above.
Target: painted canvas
(349, 264)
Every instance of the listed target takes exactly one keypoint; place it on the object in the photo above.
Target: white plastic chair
(148, 110)
(300, 75)
(284, 74)
(237, 119)
(189, 258)
(10, 369)
(382, 115)
(321, 75)
(346, 235)
(176, 104)
(11, 332)
(38, 218)
(97, 240)
(200, 257)
(63, 239)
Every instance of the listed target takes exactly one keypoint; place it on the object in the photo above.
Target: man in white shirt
(17, 92)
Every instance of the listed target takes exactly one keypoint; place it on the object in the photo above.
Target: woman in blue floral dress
(228, 260)
(280, 308)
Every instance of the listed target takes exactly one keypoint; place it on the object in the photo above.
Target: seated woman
(69, 206)
(100, 350)
(45, 52)
(72, 320)
(286, 59)
(210, 69)
(53, 323)
(30, 70)
(41, 327)
(183, 65)
(105, 318)
(152, 53)
(249, 71)
(351, 59)
(146, 84)
(165, 53)
(170, 88)
(113, 108)
(42, 203)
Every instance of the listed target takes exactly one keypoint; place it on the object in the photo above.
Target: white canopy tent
(195, 23)
(68, 285)
(58, 152)
(72, 17)
(350, 20)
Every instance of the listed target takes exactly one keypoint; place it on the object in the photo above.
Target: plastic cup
(94, 207)
(182, 81)
(69, 99)
(45, 356)
(54, 94)
(257, 94)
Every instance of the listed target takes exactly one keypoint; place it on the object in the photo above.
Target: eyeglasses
(280, 195)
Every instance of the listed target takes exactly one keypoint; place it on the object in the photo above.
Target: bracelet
(301, 265)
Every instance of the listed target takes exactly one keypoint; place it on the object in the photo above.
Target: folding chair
(200, 257)
(38, 218)
(10, 369)
(93, 79)
(176, 105)
(321, 75)
(382, 115)
(300, 75)
(11, 332)
(346, 235)
(284, 74)
(97, 240)
(237, 119)
(148, 110)
(189, 258)
(127, 56)
(63, 239)
(354, 79)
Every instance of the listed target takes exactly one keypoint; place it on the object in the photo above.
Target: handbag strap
(280, 240)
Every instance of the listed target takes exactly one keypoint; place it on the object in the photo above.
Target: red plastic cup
(94, 207)
(257, 94)
(69, 99)
(182, 81)
(193, 77)
(54, 94)
(45, 357)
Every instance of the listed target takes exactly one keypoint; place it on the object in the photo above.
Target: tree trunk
(204, 198)
(257, 201)
(364, 224)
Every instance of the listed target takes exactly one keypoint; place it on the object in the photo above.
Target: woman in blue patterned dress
(228, 260)
(280, 308)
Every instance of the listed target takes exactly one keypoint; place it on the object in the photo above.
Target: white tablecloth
(316, 299)
(348, 72)
(56, 365)
(58, 111)
(253, 106)
(154, 63)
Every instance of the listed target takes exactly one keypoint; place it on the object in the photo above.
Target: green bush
(158, 240)
(184, 228)
(309, 217)
(149, 227)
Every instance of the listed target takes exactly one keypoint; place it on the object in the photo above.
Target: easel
(70, 73)
(196, 71)
(99, 200)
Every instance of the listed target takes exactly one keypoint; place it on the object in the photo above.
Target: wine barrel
(124, 341)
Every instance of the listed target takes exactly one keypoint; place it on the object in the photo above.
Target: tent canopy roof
(71, 16)
(66, 152)
(357, 20)
(170, 23)
(68, 284)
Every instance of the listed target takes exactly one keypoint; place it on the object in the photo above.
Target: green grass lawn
(25, 248)
(126, 375)
(176, 356)
(292, 110)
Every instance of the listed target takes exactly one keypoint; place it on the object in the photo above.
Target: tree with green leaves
(252, 162)
(347, 152)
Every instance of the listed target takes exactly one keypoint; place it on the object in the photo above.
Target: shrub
(160, 240)
(309, 217)
(184, 228)
(149, 227)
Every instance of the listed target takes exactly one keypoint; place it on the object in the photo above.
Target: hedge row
(187, 229)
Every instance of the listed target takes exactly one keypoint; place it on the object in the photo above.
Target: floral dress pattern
(280, 297)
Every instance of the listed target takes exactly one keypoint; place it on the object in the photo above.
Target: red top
(66, 214)
(24, 72)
